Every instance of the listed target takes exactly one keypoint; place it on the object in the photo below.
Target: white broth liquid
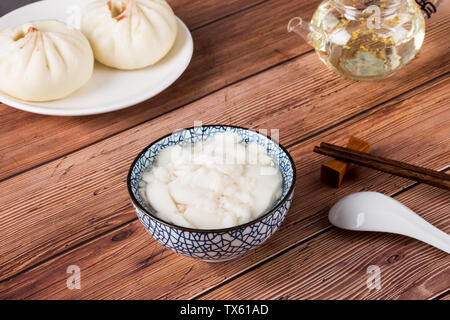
(218, 183)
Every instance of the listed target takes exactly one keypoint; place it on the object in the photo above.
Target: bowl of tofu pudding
(213, 192)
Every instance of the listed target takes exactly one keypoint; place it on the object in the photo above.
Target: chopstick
(398, 168)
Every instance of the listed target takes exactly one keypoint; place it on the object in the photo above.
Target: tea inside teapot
(364, 39)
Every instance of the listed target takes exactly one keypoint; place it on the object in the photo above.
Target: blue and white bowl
(219, 244)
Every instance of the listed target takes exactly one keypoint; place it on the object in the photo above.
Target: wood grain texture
(334, 265)
(79, 196)
(196, 14)
(225, 51)
(299, 106)
(127, 263)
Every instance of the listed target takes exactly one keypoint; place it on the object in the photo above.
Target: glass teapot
(364, 40)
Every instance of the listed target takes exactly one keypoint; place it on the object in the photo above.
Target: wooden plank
(334, 265)
(195, 14)
(82, 195)
(127, 263)
(225, 51)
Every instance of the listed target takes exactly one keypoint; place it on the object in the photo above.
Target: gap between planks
(443, 296)
(417, 99)
(340, 125)
(338, 81)
(335, 84)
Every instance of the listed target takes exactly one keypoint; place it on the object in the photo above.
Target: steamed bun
(44, 60)
(129, 34)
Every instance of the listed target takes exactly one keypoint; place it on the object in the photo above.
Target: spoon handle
(373, 211)
(426, 232)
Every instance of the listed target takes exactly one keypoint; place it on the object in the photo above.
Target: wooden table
(63, 196)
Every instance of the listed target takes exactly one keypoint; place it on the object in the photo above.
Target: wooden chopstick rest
(332, 172)
(398, 168)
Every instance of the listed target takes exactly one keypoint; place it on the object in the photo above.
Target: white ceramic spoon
(373, 211)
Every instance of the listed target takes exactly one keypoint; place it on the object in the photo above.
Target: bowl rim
(220, 230)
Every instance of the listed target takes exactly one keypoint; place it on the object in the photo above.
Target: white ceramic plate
(108, 89)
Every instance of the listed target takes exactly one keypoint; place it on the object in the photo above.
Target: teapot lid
(357, 8)
(364, 4)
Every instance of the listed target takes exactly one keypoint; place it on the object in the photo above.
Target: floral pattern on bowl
(218, 244)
